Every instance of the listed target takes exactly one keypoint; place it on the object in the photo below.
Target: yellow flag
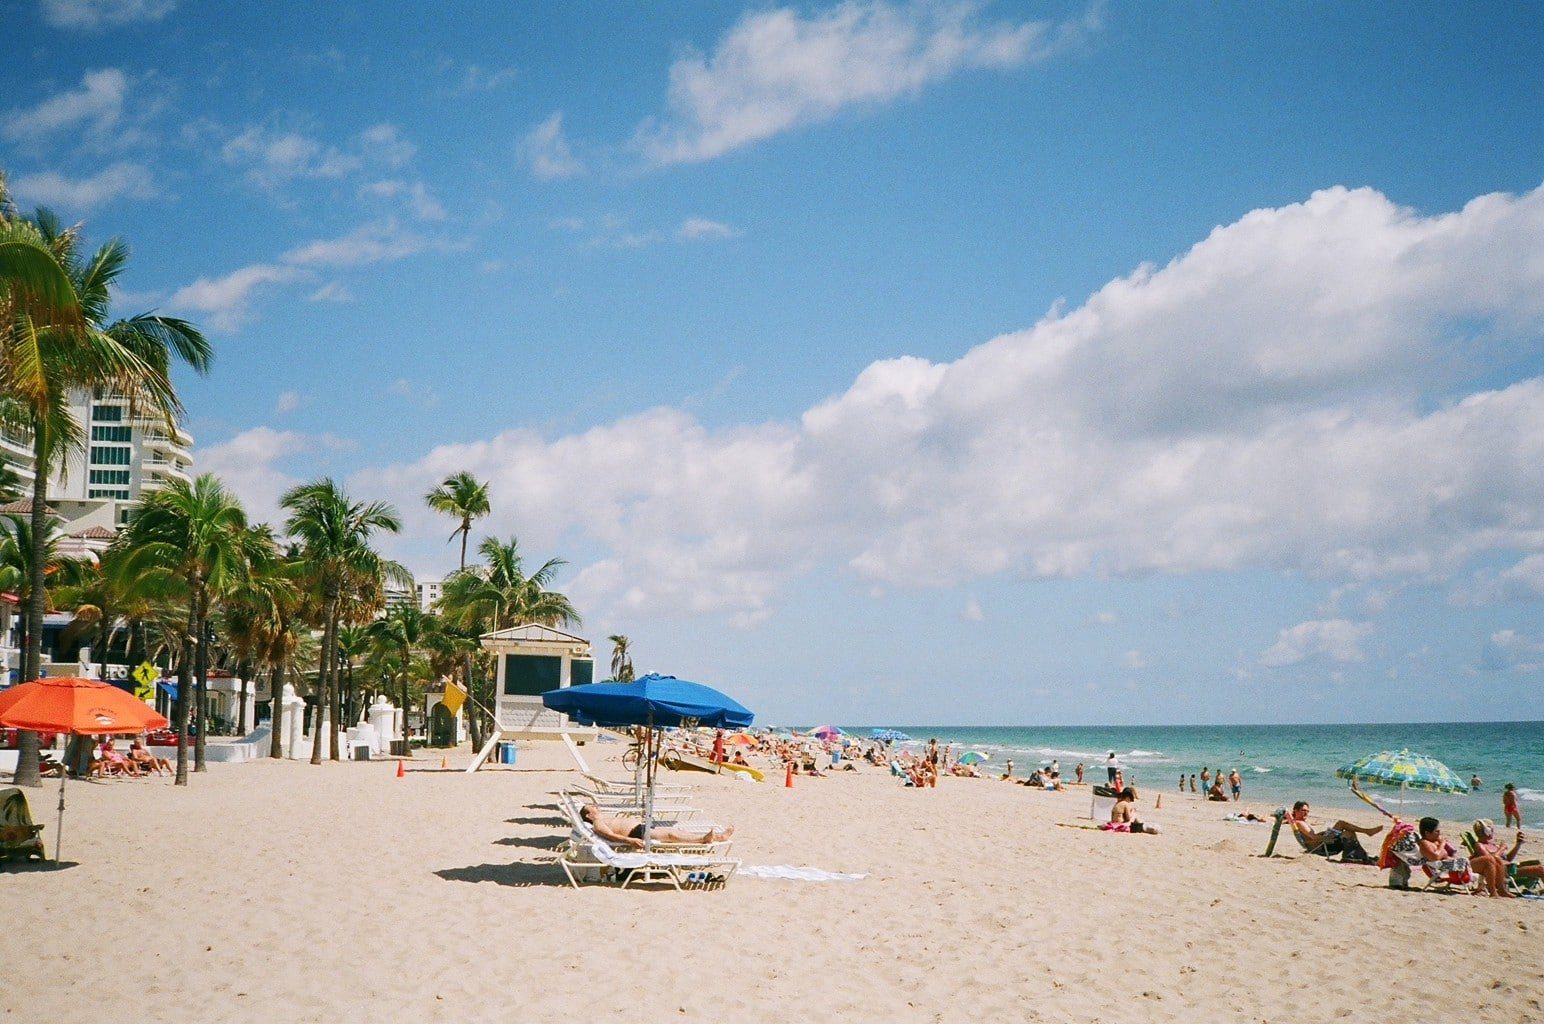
(454, 698)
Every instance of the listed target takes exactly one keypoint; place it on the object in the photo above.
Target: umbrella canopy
(650, 700)
(1404, 770)
(889, 735)
(826, 732)
(79, 707)
(740, 739)
(76, 706)
(974, 757)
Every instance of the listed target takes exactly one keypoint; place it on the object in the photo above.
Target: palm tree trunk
(336, 692)
(244, 668)
(276, 710)
(353, 693)
(407, 746)
(184, 688)
(37, 597)
(329, 613)
(201, 684)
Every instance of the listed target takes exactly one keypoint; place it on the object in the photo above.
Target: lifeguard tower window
(581, 672)
(527, 675)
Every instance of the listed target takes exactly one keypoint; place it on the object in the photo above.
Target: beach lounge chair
(720, 848)
(20, 838)
(1401, 856)
(619, 787)
(589, 851)
(663, 807)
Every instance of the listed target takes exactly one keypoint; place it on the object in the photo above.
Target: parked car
(9, 738)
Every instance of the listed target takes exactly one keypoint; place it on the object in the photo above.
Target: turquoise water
(1281, 762)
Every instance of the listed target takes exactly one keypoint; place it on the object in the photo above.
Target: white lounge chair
(663, 807)
(589, 851)
(570, 809)
(617, 787)
(666, 816)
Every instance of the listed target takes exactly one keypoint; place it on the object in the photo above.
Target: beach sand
(280, 892)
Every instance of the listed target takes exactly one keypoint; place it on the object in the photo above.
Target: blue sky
(956, 362)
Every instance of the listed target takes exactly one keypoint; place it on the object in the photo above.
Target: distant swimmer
(1476, 782)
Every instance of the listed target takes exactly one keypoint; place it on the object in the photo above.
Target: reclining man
(1340, 837)
(626, 830)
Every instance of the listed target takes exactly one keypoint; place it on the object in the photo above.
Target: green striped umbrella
(1403, 770)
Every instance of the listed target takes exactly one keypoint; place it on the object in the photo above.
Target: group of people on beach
(1212, 785)
(104, 760)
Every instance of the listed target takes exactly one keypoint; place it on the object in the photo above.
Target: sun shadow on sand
(519, 874)
(535, 821)
(35, 866)
(535, 842)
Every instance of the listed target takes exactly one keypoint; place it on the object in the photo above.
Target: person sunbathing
(1441, 858)
(1123, 816)
(1486, 846)
(739, 759)
(1340, 837)
(146, 760)
(628, 830)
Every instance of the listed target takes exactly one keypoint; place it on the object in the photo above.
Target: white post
(381, 721)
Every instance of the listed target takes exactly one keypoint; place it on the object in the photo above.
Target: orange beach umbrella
(80, 707)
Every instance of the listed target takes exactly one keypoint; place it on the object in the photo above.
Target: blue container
(507, 752)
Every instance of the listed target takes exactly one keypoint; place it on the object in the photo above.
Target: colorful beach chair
(20, 837)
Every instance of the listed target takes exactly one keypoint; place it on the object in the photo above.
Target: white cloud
(1523, 581)
(274, 158)
(1264, 401)
(123, 180)
(384, 143)
(474, 78)
(379, 241)
(1135, 659)
(972, 611)
(93, 14)
(246, 464)
(95, 107)
(226, 300)
(1510, 651)
(414, 196)
(776, 69)
(288, 402)
(415, 393)
(545, 150)
(332, 291)
(700, 229)
(1338, 640)
(1105, 618)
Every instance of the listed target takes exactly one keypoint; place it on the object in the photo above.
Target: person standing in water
(1111, 766)
(1509, 807)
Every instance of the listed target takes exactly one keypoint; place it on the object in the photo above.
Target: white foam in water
(1144, 753)
(1257, 768)
(1533, 795)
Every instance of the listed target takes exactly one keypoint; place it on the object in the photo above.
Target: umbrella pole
(648, 799)
(64, 771)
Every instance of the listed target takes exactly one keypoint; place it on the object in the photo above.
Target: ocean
(1279, 763)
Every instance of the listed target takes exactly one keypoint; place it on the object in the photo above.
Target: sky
(963, 363)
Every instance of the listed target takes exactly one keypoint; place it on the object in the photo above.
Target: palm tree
(56, 342)
(463, 496)
(193, 536)
(254, 612)
(404, 632)
(621, 658)
(334, 534)
(500, 593)
(17, 551)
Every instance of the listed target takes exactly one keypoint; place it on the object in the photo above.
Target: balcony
(162, 441)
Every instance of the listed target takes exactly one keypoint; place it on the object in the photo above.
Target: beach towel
(790, 873)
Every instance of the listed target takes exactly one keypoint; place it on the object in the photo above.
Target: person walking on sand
(1509, 808)
(1111, 766)
(1080, 773)
(1236, 782)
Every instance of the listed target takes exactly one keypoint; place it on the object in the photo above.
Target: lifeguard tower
(532, 659)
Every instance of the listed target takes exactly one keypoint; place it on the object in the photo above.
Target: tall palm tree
(621, 658)
(334, 534)
(254, 612)
(500, 593)
(466, 498)
(17, 551)
(192, 536)
(51, 349)
(405, 631)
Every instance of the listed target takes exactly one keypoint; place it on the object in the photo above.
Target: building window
(111, 433)
(109, 456)
(108, 413)
(99, 493)
(110, 476)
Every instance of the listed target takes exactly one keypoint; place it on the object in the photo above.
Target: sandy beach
(282, 892)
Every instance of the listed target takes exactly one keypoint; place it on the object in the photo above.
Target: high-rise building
(128, 454)
(428, 593)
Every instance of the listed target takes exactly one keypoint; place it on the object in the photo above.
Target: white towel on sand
(794, 874)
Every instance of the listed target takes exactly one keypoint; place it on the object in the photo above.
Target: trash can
(507, 752)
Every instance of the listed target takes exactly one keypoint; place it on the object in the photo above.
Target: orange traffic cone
(401, 771)
(788, 778)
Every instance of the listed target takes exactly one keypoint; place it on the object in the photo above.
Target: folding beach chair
(615, 787)
(663, 810)
(20, 837)
(1518, 885)
(720, 848)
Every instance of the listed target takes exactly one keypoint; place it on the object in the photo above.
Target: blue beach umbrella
(654, 702)
(1403, 770)
(889, 736)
